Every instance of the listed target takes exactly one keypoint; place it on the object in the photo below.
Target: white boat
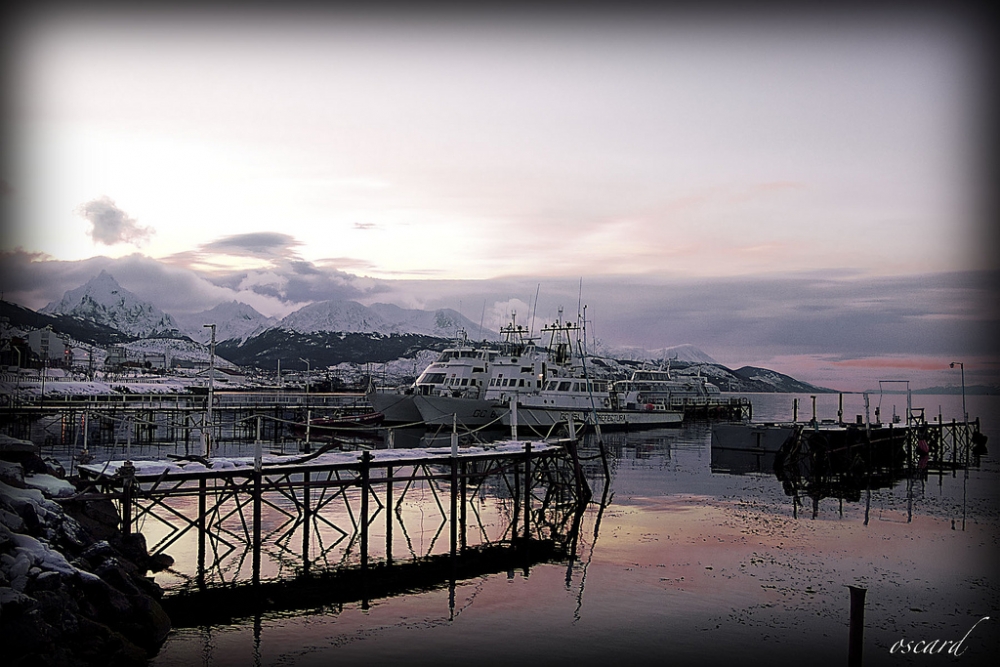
(694, 396)
(587, 401)
(458, 371)
(519, 368)
(549, 386)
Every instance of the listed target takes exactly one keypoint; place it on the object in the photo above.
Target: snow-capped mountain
(232, 319)
(337, 315)
(381, 318)
(685, 353)
(443, 322)
(104, 301)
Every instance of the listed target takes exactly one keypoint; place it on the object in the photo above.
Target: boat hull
(467, 412)
(396, 408)
(548, 417)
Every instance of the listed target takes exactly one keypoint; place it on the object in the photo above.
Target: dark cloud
(843, 316)
(255, 244)
(110, 225)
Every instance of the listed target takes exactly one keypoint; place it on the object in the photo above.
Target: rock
(66, 597)
(46, 581)
(98, 518)
(15, 446)
(12, 473)
(51, 486)
(11, 521)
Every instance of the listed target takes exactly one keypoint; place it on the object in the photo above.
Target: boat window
(478, 370)
(522, 382)
(434, 378)
(526, 369)
(465, 382)
(564, 386)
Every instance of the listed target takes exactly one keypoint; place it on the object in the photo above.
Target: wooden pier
(308, 513)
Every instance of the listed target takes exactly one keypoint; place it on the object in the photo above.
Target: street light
(965, 415)
(211, 392)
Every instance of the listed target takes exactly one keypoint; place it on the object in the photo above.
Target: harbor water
(690, 560)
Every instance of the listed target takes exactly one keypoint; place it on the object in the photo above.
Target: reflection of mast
(605, 501)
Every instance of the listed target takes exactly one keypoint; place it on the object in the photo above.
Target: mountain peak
(103, 300)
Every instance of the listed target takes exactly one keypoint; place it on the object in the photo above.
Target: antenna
(531, 329)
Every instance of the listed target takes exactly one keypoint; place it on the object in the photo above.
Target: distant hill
(323, 348)
(77, 328)
(764, 380)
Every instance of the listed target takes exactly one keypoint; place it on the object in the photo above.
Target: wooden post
(366, 458)
(127, 471)
(306, 521)
(201, 530)
(527, 490)
(855, 649)
(257, 472)
(256, 526)
(388, 514)
(454, 505)
(463, 482)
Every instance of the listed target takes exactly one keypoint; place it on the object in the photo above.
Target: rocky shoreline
(73, 589)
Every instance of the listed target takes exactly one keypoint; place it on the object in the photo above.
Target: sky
(807, 192)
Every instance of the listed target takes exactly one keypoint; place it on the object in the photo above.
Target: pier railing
(266, 519)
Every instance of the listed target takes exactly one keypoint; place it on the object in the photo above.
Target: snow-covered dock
(231, 492)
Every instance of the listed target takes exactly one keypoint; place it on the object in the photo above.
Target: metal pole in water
(454, 501)
(388, 514)
(308, 424)
(527, 490)
(366, 458)
(513, 417)
(855, 649)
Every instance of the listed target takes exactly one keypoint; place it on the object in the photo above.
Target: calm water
(684, 565)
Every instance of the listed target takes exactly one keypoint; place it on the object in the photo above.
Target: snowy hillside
(104, 301)
(232, 319)
(685, 353)
(381, 318)
(443, 323)
(348, 316)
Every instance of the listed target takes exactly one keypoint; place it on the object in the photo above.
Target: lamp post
(965, 414)
(211, 391)
(308, 371)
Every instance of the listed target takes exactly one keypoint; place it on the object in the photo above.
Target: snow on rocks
(67, 597)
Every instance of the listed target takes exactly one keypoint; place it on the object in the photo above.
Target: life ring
(650, 406)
